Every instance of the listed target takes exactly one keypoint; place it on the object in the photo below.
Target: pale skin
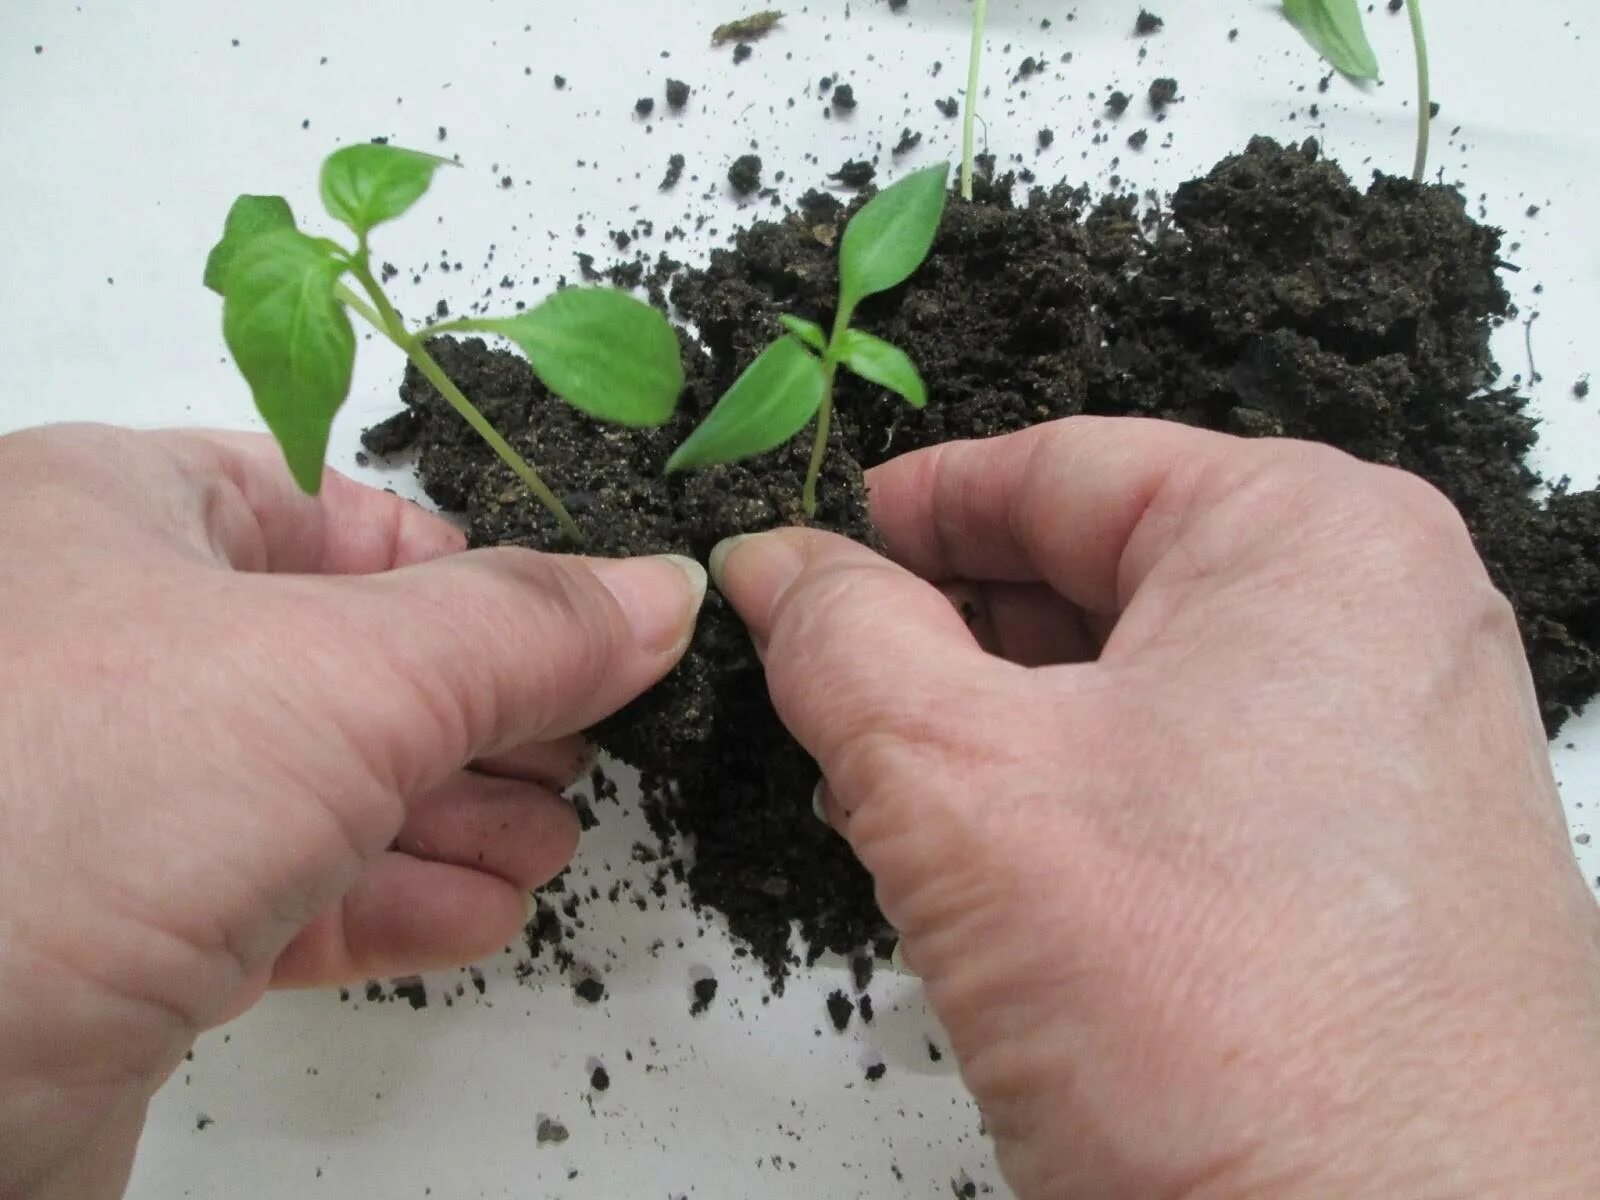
(1219, 821)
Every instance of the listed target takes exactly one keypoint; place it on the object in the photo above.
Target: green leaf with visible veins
(1335, 30)
(368, 184)
(886, 365)
(888, 239)
(773, 400)
(249, 217)
(602, 351)
(808, 332)
(292, 341)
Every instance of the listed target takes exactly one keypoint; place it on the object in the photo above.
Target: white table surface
(122, 143)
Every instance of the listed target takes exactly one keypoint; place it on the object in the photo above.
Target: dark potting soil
(1270, 298)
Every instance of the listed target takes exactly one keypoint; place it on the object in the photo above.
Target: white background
(121, 146)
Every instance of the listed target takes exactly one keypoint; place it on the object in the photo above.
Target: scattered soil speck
(840, 1010)
(745, 174)
(644, 106)
(674, 173)
(855, 173)
(1118, 103)
(599, 1079)
(705, 991)
(677, 94)
(1163, 92)
(589, 989)
(1147, 23)
(742, 52)
(551, 1132)
(1138, 138)
(876, 1072)
(844, 97)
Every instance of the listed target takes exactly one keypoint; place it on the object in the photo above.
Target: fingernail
(533, 907)
(659, 597)
(818, 809)
(761, 565)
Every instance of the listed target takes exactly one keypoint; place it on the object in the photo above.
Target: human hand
(249, 738)
(1224, 838)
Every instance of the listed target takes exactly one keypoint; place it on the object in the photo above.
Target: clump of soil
(1272, 299)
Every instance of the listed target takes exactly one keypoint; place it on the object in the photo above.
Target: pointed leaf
(808, 332)
(368, 184)
(773, 400)
(249, 217)
(602, 351)
(888, 366)
(1335, 30)
(888, 239)
(292, 341)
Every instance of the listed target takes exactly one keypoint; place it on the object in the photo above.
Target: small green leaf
(368, 184)
(888, 366)
(888, 239)
(1335, 30)
(292, 341)
(249, 217)
(808, 332)
(602, 351)
(773, 400)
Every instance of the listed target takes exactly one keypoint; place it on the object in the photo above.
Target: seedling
(285, 317)
(969, 118)
(1335, 30)
(791, 381)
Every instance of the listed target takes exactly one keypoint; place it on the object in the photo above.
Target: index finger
(1085, 504)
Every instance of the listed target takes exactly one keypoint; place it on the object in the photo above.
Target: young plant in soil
(1335, 30)
(791, 381)
(286, 306)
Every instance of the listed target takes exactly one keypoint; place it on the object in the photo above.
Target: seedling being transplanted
(791, 381)
(969, 117)
(1335, 30)
(286, 306)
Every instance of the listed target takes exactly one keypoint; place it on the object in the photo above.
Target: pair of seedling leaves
(286, 320)
(287, 324)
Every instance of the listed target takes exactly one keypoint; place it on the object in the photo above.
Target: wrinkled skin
(234, 741)
(1223, 835)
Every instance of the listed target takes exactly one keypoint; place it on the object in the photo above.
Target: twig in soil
(746, 29)
(1527, 339)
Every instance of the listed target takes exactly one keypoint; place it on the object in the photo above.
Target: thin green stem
(388, 322)
(1424, 90)
(819, 447)
(980, 10)
(352, 301)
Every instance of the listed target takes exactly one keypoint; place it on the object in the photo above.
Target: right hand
(1223, 831)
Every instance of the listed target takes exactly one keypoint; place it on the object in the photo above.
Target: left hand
(251, 739)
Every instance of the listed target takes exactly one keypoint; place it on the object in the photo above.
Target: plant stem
(980, 9)
(1424, 90)
(819, 447)
(388, 322)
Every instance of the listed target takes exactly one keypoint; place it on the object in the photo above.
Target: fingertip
(660, 598)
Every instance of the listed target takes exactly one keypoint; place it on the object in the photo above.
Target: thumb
(878, 677)
(491, 650)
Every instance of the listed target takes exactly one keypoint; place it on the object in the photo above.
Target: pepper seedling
(1335, 30)
(285, 318)
(792, 380)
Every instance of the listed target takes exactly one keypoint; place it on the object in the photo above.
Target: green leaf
(773, 400)
(292, 341)
(249, 217)
(602, 351)
(888, 239)
(808, 332)
(1335, 30)
(369, 184)
(888, 366)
